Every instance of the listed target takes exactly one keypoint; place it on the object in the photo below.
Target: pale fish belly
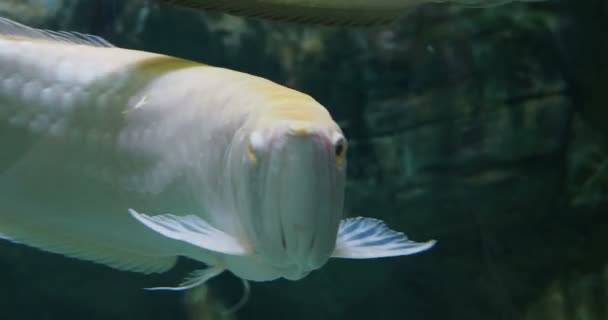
(65, 183)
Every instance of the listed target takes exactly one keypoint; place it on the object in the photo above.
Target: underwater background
(483, 128)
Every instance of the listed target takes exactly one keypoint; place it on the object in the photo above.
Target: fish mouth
(292, 203)
(292, 272)
(297, 202)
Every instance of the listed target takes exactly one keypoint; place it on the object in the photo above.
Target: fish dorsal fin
(368, 13)
(296, 13)
(14, 30)
(365, 238)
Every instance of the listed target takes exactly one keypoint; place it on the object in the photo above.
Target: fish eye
(340, 150)
(256, 143)
(251, 156)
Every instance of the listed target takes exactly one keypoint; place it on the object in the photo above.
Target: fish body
(239, 172)
(324, 12)
(87, 128)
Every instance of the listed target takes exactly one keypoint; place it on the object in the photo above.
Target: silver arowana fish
(325, 12)
(233, 170)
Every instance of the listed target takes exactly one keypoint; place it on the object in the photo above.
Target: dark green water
(482, 128)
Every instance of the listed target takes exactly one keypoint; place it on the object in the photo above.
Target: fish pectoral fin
(193, 230)
(195, 279)
(364, 238)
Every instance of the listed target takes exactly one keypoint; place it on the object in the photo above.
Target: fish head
(290, 193)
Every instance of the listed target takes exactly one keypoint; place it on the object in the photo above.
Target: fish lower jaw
(291, 271)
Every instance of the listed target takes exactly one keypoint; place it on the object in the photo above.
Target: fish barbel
(234, 170)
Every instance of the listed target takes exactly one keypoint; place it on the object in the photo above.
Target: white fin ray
(194, 279)
(193, 230)
(12, 29)
(110, 256)
(200, 277)
(365, 238)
